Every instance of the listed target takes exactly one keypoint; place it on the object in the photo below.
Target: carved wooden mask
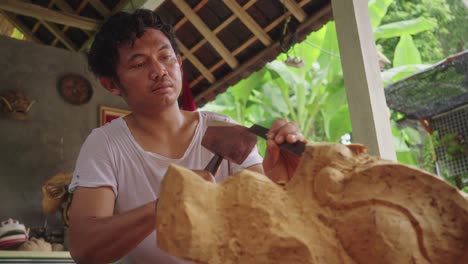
(15, 104)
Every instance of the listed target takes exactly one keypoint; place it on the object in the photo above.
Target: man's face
(149, 72)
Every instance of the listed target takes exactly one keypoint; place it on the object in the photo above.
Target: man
(121, 165)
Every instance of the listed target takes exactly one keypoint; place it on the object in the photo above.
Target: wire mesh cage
(452, 152)
(439, 94)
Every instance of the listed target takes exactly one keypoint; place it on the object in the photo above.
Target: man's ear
(110, 85)
(179, 60)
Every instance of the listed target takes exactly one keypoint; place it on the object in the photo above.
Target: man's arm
(96, 235)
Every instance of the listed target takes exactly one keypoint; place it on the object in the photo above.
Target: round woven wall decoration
(75, 89)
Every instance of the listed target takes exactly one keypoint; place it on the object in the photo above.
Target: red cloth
(188, 103)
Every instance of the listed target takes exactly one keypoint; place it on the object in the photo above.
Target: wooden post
(364, 89)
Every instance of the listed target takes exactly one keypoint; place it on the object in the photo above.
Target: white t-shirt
(111, 157)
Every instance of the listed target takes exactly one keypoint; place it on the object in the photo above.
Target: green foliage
(377, 10)
(454, 36)
(397, 73)
(459, 181)
(17, 34)
(454, 144)
(413, 147)
(405, 27)
(314, 96)
(447, 38)
(406, 52)
(400, 142)
(425, 155)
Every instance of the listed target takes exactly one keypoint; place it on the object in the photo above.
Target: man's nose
(157, 70)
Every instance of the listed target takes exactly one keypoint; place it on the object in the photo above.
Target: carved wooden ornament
(15, 104)
(342, 206)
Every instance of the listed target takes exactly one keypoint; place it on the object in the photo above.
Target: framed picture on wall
(107, 114)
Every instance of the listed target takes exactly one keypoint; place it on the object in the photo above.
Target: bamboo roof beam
(54, 31)
(214, 88)
(38, 23)
(248, 21)
(120, 5)
(100, 7)
(295, 9)
(248, 42)
(59, 35)
(35, 27)
(185, 19)
(196, 62)
(86, 44)
(221, 27)
(123, 4)
(64, 6)
(152, 4)
(207, 33)
(40, 12)
(81, 6)
(19, 25)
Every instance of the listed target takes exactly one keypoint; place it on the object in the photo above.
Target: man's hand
(280, 165)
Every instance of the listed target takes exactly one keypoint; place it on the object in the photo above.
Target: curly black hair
(123, 28)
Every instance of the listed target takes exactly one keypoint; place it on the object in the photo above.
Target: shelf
(35, 257)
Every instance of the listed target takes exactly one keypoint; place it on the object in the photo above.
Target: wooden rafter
(187, 54)
(308, 24)
(70, 10)
(81, 6)
(216, 31)
(86, 44)
(207, 33)
(53, 30)
(248, 42)
(40, 12)
(196, 62)
(59, 35)
(195, 9)
(19, 25)
(120, 5)
(248, 21)
(295, 9)
(64, 6)
(152, 4)
(35, 27)
(100, 7)
(38, 23)
(221, 27)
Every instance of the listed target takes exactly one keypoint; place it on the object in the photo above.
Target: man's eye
(138, 65)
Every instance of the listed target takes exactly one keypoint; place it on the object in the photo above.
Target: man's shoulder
(211, 116)
(114, 129)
